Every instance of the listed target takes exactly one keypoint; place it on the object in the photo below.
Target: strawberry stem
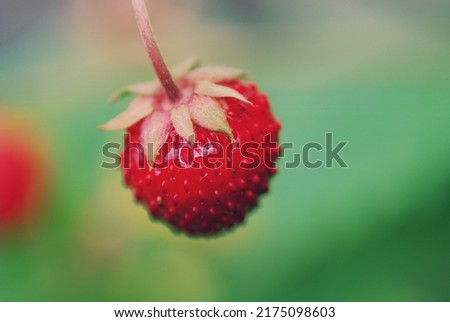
(146, 31)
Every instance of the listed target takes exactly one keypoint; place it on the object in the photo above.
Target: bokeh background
(375, 73)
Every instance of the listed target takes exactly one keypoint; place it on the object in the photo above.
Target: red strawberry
(201, 148)
(21, 167)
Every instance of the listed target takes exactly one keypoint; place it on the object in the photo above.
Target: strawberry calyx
(186, 95)
(199, 103)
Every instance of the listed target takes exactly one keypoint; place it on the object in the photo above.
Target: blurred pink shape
(22, 173)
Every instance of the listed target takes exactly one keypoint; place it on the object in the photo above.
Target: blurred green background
(375, 73)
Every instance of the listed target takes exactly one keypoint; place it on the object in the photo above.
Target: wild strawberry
(201, 143)
(21, 167)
